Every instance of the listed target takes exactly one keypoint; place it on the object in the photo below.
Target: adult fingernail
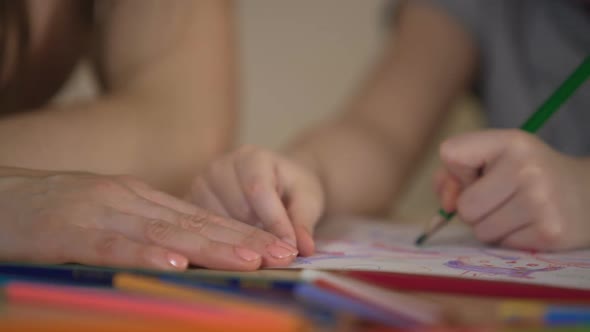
(280, 251)
(289, 241)
(177, 261)
(247, 254)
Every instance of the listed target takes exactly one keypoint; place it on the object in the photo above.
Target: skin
(167, 107)
(61, 217)
(516, 191)
(168, 85)
(512, 189)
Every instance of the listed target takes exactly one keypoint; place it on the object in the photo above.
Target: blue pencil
(546, 314)
(327, 300)
(567, 315)
(102, 276)
(52, 274)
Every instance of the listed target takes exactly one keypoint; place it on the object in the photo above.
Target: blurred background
(300, 62)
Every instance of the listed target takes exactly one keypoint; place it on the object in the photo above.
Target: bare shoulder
(43, 44)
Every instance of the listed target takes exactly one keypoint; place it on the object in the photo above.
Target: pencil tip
(421, 239)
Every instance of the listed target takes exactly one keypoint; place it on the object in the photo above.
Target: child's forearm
(365, 156)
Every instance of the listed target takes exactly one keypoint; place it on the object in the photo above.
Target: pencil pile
(75, 298)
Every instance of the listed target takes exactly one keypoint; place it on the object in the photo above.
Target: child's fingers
(305, 211)
(204, 197)
(223, 181)
(506, 219)
(305, 242)
(447, 188)
(465, 156)
(440, 177)
(526, 238)
(305, 204)
(545, 232)
(257, 176)
(450, 191)
(489, 192)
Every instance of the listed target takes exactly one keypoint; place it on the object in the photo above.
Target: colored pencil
(272, 315)
(326, 300)
(199, 315)
(531, 125)
(61, 274)
(102, 276)
(398, 305)
(521, 312)
(18, 317)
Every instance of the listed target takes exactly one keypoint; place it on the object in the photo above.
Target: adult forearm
(112, 136)
(168, 103)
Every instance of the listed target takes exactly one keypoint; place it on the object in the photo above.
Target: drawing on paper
(487, 267)
(389, 247)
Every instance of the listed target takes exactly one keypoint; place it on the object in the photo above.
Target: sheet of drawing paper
(389, 247)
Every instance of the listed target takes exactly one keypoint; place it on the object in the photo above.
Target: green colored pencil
(532, 124)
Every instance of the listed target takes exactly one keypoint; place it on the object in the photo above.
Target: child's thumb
(448, 189)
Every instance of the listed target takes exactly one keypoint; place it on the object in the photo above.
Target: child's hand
(263, 189)
(120, 221)
(516, 191)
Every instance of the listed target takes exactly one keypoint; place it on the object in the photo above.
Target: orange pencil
(43, 319)
(272, 316)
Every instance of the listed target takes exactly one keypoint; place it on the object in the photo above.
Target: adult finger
(97, 247)
(154, 204)
(199, 249)
(188, 235)
(161, 198)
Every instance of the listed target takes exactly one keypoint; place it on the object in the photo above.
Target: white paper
(453, 251)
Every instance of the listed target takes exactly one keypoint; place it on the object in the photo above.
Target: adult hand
(120, 221)
(516, 191)
(264, 189)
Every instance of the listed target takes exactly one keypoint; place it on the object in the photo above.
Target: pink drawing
(483, 266)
